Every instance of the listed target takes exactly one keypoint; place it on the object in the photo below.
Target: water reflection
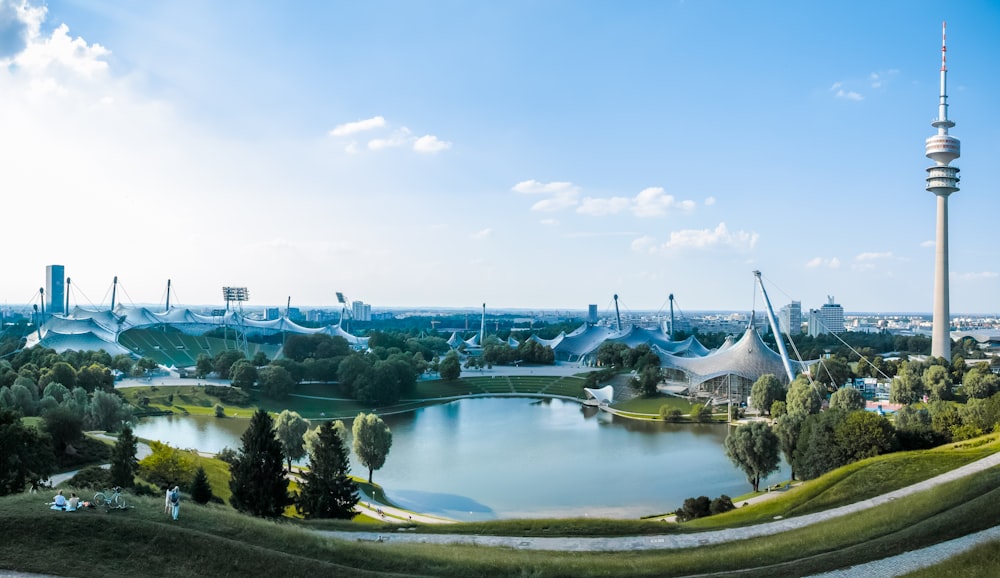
(516, 457)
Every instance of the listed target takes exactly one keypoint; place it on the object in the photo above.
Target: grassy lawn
(652, 405)
(214, 540)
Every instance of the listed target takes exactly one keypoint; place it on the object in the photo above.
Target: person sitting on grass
(59, 502)
(73, 503)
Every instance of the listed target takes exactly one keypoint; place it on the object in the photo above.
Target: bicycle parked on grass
(112, 498)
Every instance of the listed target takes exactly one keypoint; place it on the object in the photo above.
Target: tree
(863, 434)
(450, 368)
(754, 449)
(64, 426)
(243, 374)
(817, 451)
(645, 383)
(979, 382)
(224, 361)
(95, 377)
(937, 383)
(107, 411)
(372, 440)
(166, 465)
(289, 426)
(833, 372)
(765, 391)
(803, 398)
(203, 365)
(789, 430)
(327, 488)
(258, 480)
(25, 454)
(276, 382)
(907, 388)
(201, 490)
(848, 399)
(123, 462)
(60, 372)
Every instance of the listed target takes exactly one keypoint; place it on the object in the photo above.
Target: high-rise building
(827, 319)
(592, 313)
(361, 311)
(942, 180)
(55, 289)
(790, 318)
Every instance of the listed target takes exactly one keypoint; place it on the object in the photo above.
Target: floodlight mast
(777, 331)
(239, 295)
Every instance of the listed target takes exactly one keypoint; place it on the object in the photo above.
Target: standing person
(166, 500)
(175, 501)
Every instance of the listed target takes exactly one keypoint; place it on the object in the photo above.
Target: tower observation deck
(942, 180)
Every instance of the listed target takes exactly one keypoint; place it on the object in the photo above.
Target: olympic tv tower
(942, 180)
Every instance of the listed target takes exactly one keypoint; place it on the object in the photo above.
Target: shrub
(219, 410)
(228, 395)
(670, 414)
(227, 454)
(721, 505)
(93, 477)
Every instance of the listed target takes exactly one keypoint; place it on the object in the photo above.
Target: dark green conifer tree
(123, 462)
(258, 478)
(201, 491)
(327, 489)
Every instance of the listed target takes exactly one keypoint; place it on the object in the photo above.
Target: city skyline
(523, 155)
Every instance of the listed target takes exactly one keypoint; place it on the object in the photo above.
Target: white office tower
(790, 318)
(827, 319)
(942, 180)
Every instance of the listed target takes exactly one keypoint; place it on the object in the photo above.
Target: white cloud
(823, 262)
(601, 207)
(562, 195)
(928, 244)
(871, 256)
(649, 202)
(533, 187)
(59, 53)
(358, 126)
(848, 95)
(719, 237)
(976, 276)
(397, 139)
(351, 148)
(644, 244)
(549, 222)
(430, 144)
(709, 201)
(483, 234)
(654, 202)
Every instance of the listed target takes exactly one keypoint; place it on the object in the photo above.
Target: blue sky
(535, 154)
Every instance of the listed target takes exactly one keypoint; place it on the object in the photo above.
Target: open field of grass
(652, 405)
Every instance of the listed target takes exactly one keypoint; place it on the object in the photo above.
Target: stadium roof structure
(86, 329)
(748, 358)
(582, 343)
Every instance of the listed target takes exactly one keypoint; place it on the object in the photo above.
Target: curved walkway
(668, 542)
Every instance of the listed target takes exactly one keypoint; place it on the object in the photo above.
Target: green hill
(216, 541)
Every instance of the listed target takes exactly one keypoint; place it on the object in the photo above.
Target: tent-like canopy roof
(99, 329)
(749, 358)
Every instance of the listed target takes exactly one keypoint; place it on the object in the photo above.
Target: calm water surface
(477, 459)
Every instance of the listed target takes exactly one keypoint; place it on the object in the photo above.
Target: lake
(489, 458)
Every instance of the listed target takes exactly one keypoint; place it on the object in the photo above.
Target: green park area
(215, 540)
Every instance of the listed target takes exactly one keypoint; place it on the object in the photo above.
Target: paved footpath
(667, 542)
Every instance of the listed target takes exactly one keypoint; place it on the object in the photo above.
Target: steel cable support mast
(777, 332)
